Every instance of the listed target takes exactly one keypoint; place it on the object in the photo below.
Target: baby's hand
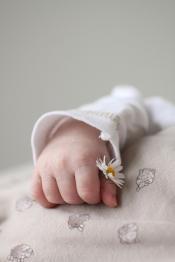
(66, 170)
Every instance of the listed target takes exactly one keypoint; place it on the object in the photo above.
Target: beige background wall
(60, 54)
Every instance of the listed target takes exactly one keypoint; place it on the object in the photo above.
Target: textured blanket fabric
(141, 229)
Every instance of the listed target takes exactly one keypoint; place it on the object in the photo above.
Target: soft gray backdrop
(60, 54)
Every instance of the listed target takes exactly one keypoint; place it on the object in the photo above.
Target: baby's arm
(65, 149)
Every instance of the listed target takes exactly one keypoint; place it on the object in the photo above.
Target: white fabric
(121, 116)
(142, 228)
(161, 113)
(134, 230)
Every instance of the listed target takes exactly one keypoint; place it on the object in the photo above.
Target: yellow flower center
(110, 169)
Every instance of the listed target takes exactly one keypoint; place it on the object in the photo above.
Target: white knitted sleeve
(120, 116)
(161, 113)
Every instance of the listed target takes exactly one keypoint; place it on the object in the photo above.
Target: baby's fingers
(108, 192)
(51, 190)
(37, 191)
(87, 182)
(67, 186)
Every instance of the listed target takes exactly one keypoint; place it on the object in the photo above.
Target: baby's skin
(66, 170)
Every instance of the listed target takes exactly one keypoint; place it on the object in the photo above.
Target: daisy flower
(111, 170)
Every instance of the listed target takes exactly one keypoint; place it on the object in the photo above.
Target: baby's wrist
(63, 121)
(70, 127)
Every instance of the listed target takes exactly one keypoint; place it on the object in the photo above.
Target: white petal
(111, 161)
(117, 180)
(116, 164)
(119, 168)
(101, 168)
(121, 175)
(104, 159)
(106, 175)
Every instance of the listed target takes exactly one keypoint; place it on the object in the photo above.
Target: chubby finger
(67, 188)
(51, 190)
(108, 192)
(37, 191)
(88, 183)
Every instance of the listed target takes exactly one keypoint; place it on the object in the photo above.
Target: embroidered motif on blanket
(20, 253)
(146, 177)
(23, 203)
(128, 233)
(77, 221)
